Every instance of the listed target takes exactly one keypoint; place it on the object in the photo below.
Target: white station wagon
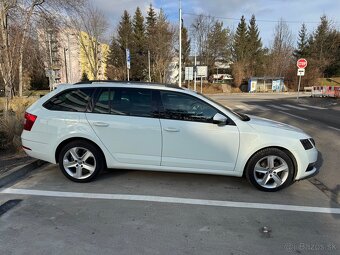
(87, 127)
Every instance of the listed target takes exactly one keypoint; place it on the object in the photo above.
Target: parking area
(141, 212)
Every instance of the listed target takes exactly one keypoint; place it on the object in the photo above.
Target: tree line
(153, 42)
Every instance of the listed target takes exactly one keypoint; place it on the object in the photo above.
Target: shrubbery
(11, 123)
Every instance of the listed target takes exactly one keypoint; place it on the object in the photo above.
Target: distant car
(91, 126)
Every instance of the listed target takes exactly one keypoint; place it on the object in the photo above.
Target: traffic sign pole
(301, 64)
(299, 87)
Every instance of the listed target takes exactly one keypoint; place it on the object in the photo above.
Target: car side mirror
(220, 119)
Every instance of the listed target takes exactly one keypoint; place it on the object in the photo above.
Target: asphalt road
(137, 212)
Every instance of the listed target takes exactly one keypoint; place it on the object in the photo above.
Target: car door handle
(170, 129)
(101, 124)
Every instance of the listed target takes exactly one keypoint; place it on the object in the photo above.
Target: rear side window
(73, 100)
(126, 101)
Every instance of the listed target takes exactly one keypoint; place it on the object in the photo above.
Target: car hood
(265, 124)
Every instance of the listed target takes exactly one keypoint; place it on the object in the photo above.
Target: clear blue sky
(293, 11)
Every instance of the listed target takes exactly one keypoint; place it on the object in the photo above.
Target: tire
(270, 170)
(81, 161)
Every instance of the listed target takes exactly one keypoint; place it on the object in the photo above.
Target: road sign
(202, 71)
(189, 73)
(301, 63)
(301, 72)
(128, 58)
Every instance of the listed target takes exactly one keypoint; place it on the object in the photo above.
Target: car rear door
(190, 139)
(126, 121)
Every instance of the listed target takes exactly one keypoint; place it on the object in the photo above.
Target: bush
(11, 123)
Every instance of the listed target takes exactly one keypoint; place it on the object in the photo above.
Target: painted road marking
(295, 107)
(259, 107)
(293, 115)
(278, 107)
(242, 106)
(173, 200)
(334, 128)
(314, 107)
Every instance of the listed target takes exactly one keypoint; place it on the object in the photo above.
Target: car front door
(126, 121)
(191, 139)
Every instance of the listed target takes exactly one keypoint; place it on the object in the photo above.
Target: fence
(326, 91)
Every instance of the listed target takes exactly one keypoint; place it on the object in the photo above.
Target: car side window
(180, 106)
(133, 102)
(73, 100)
(104, 98)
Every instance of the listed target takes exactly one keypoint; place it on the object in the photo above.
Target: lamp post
(180, 44)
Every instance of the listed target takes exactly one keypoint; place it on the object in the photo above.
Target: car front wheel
(81, 161)
(270, 169)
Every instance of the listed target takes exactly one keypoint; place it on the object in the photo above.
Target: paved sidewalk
(11, 160)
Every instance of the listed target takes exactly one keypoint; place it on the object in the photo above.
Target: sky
(267, 12)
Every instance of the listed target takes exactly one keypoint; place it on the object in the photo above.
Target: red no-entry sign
(301, 63)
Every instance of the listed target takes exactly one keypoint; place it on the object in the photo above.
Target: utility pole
(69, 58)
(149, 64)
(180, 44)
(195, 71)
(128, 63)
(50, 71)
(66, 71)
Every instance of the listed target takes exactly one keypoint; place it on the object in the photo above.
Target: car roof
(129, 84)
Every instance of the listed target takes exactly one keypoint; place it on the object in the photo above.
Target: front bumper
(307, 164)
(310, 174)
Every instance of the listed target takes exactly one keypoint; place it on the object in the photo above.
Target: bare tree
(201, 28)
(91, 26)
(164, 50)
(6, 51)
(281, 49)
(20, 14)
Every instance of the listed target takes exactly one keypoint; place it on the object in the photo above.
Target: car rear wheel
(81, 161)
(270, 169)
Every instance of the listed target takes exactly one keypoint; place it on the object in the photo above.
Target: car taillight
(29, 121)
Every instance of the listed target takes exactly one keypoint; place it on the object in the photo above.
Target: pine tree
(119, 44)
(138, 51)
(240, 41)
(324, 47)
(185, 47)
(125, 31)
(218, 45)
(151, 20)
(150, 29)
(302, 49)
(115, 61)
(84, 77)
(254, 49)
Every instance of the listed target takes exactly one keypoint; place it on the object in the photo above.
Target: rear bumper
(38, 150)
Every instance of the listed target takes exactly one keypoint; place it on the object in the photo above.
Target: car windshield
(241, 116)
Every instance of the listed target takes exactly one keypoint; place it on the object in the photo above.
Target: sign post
(202, 71)
(301, 64)
(128, 63)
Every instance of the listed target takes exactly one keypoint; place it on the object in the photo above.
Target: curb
(19, 172)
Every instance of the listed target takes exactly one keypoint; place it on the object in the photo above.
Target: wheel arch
(288, 152)
(72, 139)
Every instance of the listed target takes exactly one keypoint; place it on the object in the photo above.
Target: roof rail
(129, 82)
